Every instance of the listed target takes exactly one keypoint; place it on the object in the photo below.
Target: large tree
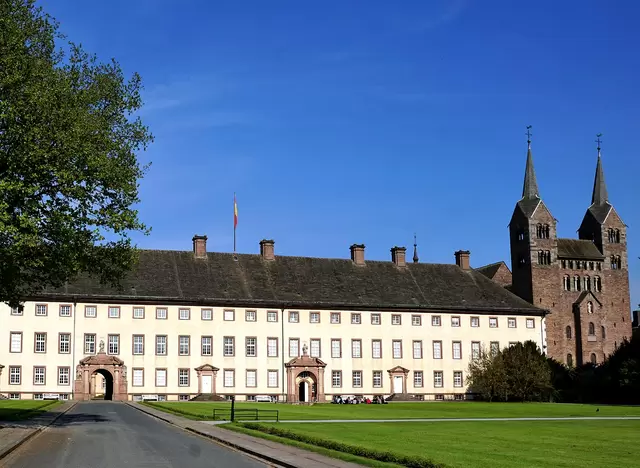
(68, 158)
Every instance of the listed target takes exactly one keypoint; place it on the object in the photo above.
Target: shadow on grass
(11, 414)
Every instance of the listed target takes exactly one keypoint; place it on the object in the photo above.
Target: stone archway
(103, 364)
(305, 370)
(107, 379)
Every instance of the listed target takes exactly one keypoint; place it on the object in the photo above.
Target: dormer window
(542, 231)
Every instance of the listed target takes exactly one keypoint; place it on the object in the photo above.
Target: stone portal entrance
(305, 379)
(398, 377)
(110, 367)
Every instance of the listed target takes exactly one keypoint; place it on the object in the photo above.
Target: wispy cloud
(182, 92)
(452, 11)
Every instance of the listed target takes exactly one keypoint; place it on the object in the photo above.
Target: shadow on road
(74, 419)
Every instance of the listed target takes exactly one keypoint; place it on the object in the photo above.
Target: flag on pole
(235, 211)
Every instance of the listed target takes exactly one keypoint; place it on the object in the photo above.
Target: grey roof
(528, 206)
(490, 270)
(600, 212)
(530, 187)
(578, 249)
(599, 196)
(249, 280)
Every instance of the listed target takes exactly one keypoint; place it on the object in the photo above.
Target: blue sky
(366, 121)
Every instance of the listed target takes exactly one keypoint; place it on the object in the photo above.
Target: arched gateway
(305, 379)
(111, 368)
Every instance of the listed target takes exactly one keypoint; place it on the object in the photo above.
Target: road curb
(238, 447)
(33, 433)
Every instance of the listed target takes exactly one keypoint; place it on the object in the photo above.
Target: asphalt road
(115, 435)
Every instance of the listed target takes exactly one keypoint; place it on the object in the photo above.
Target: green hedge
(383, 456)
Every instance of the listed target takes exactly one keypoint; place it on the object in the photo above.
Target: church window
(569, 360)
(590, 310)
(568, 332)
(597, 284)
(592, 329)
(594, 360)
(616, 262)
(604, 332)
(544, 257)
(566, 283)
(542, 231)
(614, 236)
(563, 263)
(587, 283)
(576, 283)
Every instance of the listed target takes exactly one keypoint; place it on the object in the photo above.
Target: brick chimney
(462, 259)
(266, 249)
(200, 246)
(399, 256)
(357, 254)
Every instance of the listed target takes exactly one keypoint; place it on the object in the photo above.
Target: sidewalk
(15, 433)
(280, 454)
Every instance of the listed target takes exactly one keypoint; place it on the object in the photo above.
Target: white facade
(162, 345)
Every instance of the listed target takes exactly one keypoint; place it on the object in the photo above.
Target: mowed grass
(16, 410)
(504, 444)
(204, 410)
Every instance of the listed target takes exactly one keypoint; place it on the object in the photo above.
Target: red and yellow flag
(235, 211)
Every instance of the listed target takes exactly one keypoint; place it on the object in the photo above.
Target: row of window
(581, 265)
(544, 258)
(39, 375)
(543, 231)
(593, 359)
(229, 315)
(591, 331)
(578, 284)
(418, 379)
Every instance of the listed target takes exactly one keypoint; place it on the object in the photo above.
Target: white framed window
(436, 320)
(418, 381)
(396, 319)
(16, 342)
(376, 319)
(272, 347)
(455, 321)
(229, 378)
(531, 323)
(183, 377)
(183, 397)
(437, 379)
(64, 375)
(161, 313)
(138, 344)
(114, 312)
(356, 348)
(376, 349)
(416, 320)
(315, 348)
(457, 378)
(161, 345)
(16, 396)
(511, 322)
(272, 316)
(335, 317)
(475, 322)
(377, 379)
(229, 346)
(206, 345)
(397, 349)
(294, 317)
(314, 317)
(113, 344)
(41, 310)
(336, 348)
(138, 377)
(90, 311)
(38, 396)
(356, 378)
(272, 378)
(206, 314)
(184, 314)
(356, 319)
(336, 379)
(184, 343)
(294, 347)
(39, 375)
(229, 315)
(494, 347)
(437, 350)
(40, 343)
(475, 350)
(89, 343)
(15, 374)
(457, 350)
(251, 346)
(64, 343)
(138, 312)
(252, 378)
(493, 322)
(65, 310)
(161, 377)
(417, 349)
(250, 316)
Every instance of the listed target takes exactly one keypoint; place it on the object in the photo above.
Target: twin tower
(583, 283)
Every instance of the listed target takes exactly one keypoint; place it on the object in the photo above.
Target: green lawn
(204, 410)
(16, 410)
(480, 444)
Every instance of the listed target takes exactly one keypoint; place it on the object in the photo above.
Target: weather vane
(528, 134)
(598, 140)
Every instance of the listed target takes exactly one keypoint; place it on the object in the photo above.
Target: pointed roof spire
(415, 250)
(530, 187)
(600, 196)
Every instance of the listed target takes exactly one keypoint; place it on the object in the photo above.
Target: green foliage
(517, 373)
(68, 166)
(380, 455)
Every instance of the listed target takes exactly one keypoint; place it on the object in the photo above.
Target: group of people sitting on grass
(356, 400)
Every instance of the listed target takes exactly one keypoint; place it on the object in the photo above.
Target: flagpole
(234, 222)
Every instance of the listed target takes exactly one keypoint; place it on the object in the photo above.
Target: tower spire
(530, 187)
(599, 196)
(415, 249)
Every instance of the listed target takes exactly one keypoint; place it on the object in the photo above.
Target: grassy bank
(17, 410)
